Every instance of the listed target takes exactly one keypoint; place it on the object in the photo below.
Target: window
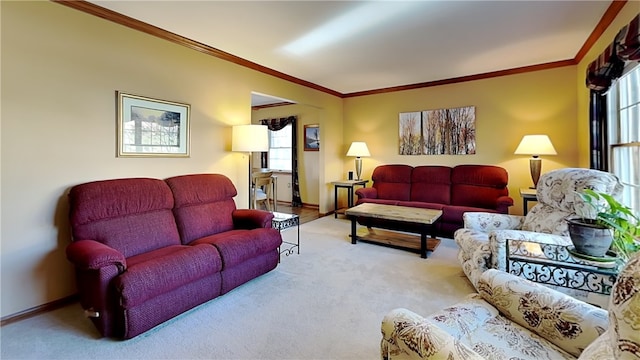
(280, 149)
(623, 111)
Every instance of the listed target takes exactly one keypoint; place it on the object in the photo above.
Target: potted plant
(605, 216)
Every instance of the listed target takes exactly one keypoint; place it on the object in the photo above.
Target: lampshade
(358, 148)
(249, 138)
(535, 145)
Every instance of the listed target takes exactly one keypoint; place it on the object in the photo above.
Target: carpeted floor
(325, 303)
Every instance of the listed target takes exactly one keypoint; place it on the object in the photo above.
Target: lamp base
(535, 164)
(358, 168)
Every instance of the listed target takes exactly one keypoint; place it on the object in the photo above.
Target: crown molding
(93, 9)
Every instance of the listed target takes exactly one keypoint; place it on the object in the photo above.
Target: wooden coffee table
(397, 217)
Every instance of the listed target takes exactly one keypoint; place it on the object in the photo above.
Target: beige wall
(628, 12)
(507, 108)
(60, 71)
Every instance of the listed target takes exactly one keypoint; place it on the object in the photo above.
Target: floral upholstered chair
(482, 241)
(513, 318)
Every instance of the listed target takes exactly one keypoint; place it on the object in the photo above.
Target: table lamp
(250, 138)
(358, 149)
(535, 145)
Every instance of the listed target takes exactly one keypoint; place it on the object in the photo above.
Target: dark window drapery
(276, 125)
(598, 131)
(600, 75)
(606, 68)
(610, 64)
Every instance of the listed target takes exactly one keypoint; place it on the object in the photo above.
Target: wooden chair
(262, 190)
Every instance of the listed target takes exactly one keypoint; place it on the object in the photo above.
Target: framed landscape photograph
(311, 138)
(152, 128)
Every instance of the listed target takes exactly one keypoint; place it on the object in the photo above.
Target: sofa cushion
(482, 328)
(558, 198)
(157, 272)
(204, 204)
(431, 184)
(624, 312)
(393, 182)
(568, 323)
(478, 185)
(131, 215)
(237, 246)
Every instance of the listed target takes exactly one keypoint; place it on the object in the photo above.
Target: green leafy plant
(610, 213)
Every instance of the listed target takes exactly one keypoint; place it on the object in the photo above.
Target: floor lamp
(358, 149)
(250, 138)
(535, 145)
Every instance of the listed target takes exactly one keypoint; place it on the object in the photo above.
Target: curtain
(276, 125)
(610, 64)
(601, 73)
(598, 131)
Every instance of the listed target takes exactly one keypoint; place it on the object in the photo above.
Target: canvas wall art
(438, 132)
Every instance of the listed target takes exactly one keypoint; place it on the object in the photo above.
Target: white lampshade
(358, 148)
(535, 145)
(249, 138)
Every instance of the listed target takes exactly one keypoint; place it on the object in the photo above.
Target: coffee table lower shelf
(396, 240)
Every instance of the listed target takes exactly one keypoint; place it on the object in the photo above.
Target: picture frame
(312, 137)
(148, 127)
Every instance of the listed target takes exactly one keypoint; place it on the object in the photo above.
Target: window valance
(278, 124)
(610, 64)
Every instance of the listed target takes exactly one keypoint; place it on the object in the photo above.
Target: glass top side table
(553, 265)
(282, 221)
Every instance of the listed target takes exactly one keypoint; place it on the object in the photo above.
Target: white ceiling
(353, 46)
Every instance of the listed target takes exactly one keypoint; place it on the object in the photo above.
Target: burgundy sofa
(146, 250)
(454, 190)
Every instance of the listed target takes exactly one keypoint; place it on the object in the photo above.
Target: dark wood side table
(349, 185)
(527, 195)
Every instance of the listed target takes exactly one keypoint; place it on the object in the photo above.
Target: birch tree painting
(410, 134)
(438, 132)
(449, 131)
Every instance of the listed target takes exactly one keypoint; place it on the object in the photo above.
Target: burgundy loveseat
(146, 250)
(454, 190)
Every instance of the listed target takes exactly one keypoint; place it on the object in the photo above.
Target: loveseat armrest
(503, 203)
(407, 335)
(251, 219)
(96, 266)
(569, 323)
(486, 221)
(367, 193)
(93, 255)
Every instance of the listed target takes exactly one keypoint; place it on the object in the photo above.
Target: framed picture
(311, 138)
(151, 127)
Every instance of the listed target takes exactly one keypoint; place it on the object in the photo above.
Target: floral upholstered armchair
(513, 318)
(482, 241)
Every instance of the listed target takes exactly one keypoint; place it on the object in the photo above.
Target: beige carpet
(325, 303)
